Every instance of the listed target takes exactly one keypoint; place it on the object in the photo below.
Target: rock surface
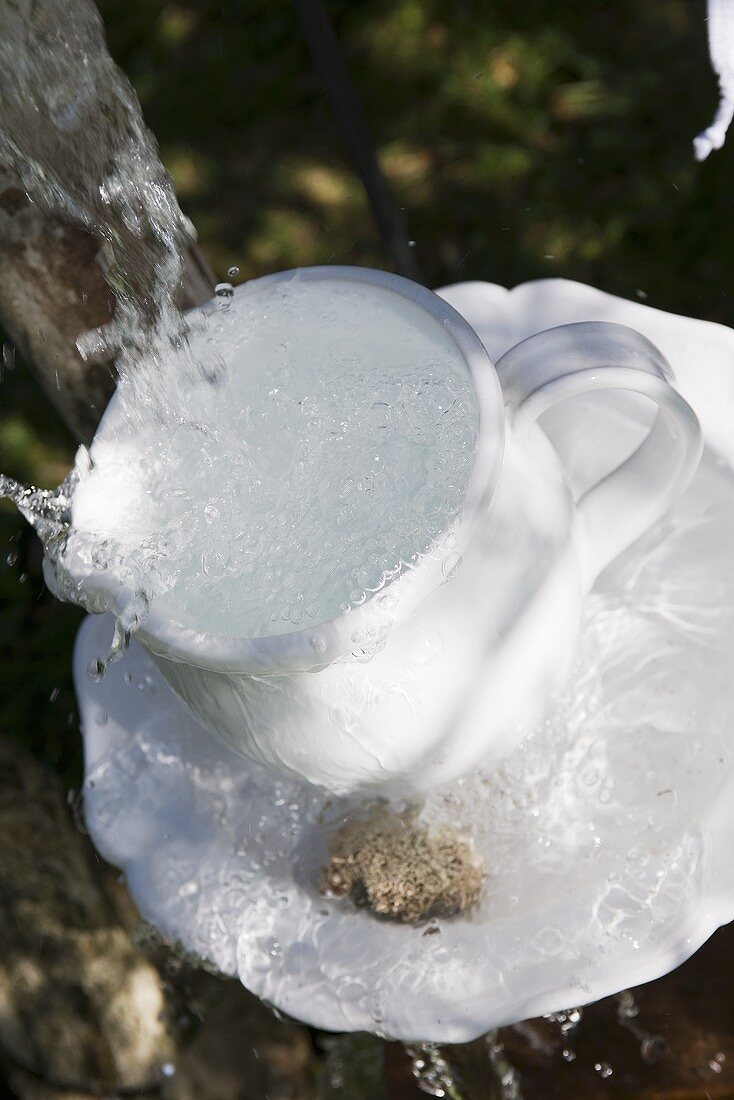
(80, 1006)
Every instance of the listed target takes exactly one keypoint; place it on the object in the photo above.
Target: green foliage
(523, 140)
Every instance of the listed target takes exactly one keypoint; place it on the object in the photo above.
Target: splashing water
(233, 496)
(72, 130)
(432, 1073)
(335, 433)
(653, 1048)
(505, 1073)
(48, 511)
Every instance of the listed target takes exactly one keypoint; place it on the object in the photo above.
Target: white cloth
(721, 48)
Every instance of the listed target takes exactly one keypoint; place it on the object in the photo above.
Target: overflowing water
(335, 433)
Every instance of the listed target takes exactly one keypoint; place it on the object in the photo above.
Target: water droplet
(224, 293)
(653, 1048)
(232, 272)
(96, 670)
(450, 564)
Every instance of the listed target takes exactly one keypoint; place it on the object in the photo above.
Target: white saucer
(607, 835)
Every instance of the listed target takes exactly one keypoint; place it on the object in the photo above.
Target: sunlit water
(319, 486)
(284, 462)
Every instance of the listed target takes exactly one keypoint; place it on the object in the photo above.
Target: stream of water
(73, 132)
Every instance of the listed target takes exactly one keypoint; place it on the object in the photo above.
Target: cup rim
(295, 650)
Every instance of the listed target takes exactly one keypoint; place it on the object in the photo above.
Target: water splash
(73, 132)
(568, 1023)
(323, 464)
(432, 1072)
(653, 1048)
(48, 511)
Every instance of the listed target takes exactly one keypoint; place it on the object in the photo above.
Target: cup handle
(585, 358)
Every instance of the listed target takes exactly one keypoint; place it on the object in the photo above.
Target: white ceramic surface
(607, 834)
(451, 663)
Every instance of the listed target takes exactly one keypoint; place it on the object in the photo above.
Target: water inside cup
(327, 449)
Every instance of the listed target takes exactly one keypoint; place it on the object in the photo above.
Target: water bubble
(431, 1071)
(603, 1069)
(232, 272)
(224, 293)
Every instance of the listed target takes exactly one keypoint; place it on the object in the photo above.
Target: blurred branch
(327, 59)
